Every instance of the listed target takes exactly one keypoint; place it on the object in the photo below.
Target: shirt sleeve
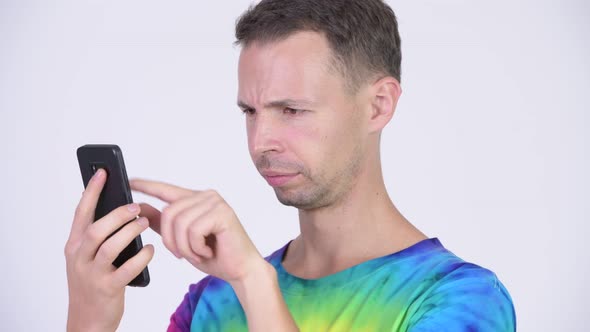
(470, 298)
(181, 319)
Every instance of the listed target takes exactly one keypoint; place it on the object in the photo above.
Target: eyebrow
(279, 103)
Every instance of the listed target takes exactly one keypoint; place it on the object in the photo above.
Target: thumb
(152, 214)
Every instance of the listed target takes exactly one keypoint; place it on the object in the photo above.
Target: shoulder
(461, 296)
(182, 317)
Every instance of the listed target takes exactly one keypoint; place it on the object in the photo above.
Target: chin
(300, 200)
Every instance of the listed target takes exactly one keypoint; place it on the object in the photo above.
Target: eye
(291, 111)
(248, 111)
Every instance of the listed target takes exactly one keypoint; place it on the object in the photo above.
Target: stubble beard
(321, 191)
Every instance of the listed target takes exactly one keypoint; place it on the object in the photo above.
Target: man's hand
(96, 287)
(202, 228)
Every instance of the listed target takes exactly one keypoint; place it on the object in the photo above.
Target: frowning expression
(305, 133)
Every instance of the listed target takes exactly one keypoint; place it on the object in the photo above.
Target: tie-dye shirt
(422, 288)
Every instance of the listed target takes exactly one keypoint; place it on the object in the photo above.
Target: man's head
(318, 80)
(362, 34)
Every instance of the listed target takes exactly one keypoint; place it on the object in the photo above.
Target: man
(318, 82)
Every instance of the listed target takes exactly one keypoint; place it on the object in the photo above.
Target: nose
(263, 134)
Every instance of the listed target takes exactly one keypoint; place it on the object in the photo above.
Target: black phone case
(116, 192)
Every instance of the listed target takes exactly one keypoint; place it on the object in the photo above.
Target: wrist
(79, 327)
(260, 274)
(260, 296)
(76, 323)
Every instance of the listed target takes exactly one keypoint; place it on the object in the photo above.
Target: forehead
(296, 66)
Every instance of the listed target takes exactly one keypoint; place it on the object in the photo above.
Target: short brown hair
(362, 34)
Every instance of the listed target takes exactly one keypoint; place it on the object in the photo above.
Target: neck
(362, 225)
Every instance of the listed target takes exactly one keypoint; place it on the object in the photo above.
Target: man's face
(306, 133)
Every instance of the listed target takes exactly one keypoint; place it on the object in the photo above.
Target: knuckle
(106, 254)
(211, 193)
(120, 215)
(214, 200)
(183, 217)
(134, 229)
(194, 231)
(124, 269)
(165, 214)
(93, 234)
(217, 203)
(123, 211)
(69, 250)
(80, 211)
(168, 243)
(215, 206)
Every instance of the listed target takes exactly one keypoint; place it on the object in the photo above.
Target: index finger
(164, 191)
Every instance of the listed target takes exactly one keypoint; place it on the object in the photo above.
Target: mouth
(276, 179)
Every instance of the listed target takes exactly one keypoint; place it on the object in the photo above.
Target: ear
(384, 96)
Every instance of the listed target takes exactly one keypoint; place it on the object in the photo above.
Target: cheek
(340, 143)
(303, 141)
(320, 147)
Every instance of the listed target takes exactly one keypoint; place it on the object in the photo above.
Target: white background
(488, 150)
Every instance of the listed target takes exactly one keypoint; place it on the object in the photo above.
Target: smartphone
(116, 192)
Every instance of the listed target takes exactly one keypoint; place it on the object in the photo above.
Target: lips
(276, 179)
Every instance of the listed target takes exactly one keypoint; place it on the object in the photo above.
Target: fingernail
(98, 173)
(143, 222)
(133, 207)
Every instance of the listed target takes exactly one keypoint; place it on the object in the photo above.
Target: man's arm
(262, 301)
(202, 228)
